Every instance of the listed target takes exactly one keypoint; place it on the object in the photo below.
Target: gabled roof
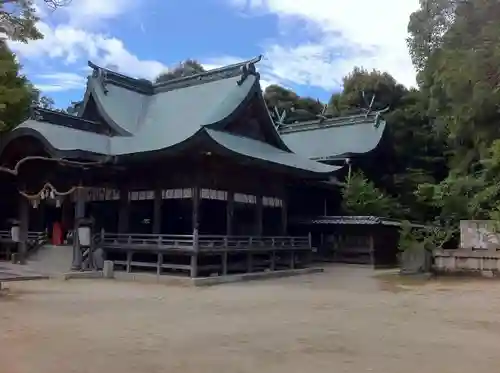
(334, 138)
(138, 117)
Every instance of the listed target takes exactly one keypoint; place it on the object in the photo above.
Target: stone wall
(483, 262)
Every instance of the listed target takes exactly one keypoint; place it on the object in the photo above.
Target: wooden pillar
(124, 211)
(66, 215)
(229, 213)
(157, 211)
(258, 217)
(196, 223)
(371, 243)
(284, 217)
(76, 265)
(23, 228)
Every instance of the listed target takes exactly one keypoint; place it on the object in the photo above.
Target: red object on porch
(57, 234)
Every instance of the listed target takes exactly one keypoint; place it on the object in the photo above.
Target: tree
(360, 87)
(279, 99)
(73, 108)
(362, 197)
(427, 27)
(459, 72)
(186, 68)
(16, 93)
(410, 152)
(18, 18)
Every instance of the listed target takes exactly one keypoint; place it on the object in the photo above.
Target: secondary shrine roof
(334, 138)
(123, 116)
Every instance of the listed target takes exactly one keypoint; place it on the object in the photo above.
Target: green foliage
(413, 148)
(423, 238)
(186, 68)
(382, 86)
(16, 93)
(456, 44)
(297, 108)
(19, 20)
(362, 197)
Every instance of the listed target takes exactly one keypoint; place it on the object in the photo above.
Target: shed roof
(334, 138)
(356, 220)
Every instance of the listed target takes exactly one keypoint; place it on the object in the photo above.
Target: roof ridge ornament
(105, 76)
(224, 72)
(101, 74)
(249, 69)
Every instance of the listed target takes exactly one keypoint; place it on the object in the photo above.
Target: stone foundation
(187, 281)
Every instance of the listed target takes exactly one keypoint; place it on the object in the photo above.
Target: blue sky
(308, 45)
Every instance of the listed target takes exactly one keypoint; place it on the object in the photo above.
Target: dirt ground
(344, 320)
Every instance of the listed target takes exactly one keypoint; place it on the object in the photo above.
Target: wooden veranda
(204, 255)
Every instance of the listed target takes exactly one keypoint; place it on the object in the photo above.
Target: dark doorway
(244, 219)
(213, 217)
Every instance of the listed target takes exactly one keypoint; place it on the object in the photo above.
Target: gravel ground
(345, 320)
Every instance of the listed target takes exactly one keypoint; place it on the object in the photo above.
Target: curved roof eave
(61, 141)
(264, 152)
(225, 143)
(255, 90)
(273, 130)
(94, 90)
(220, 115)
(51, 150)
(328, 143)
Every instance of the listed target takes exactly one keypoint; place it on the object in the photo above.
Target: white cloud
(83, 12)
(72, 36)
(343, 34)
(56, 82)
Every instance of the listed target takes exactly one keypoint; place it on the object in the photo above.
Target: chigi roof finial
(369, 108)
(280, 117)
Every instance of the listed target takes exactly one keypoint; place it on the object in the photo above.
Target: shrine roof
(136, 116)
(334, 138)
(260, 150)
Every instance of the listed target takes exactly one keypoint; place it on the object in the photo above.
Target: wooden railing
(145, 241)
(206, 254)
(34, 240)
(207, 242)
(204, 243)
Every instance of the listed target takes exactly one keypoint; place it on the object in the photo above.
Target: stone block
(487, 274)
(99, 258)
(108, 269)
(14, 258)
